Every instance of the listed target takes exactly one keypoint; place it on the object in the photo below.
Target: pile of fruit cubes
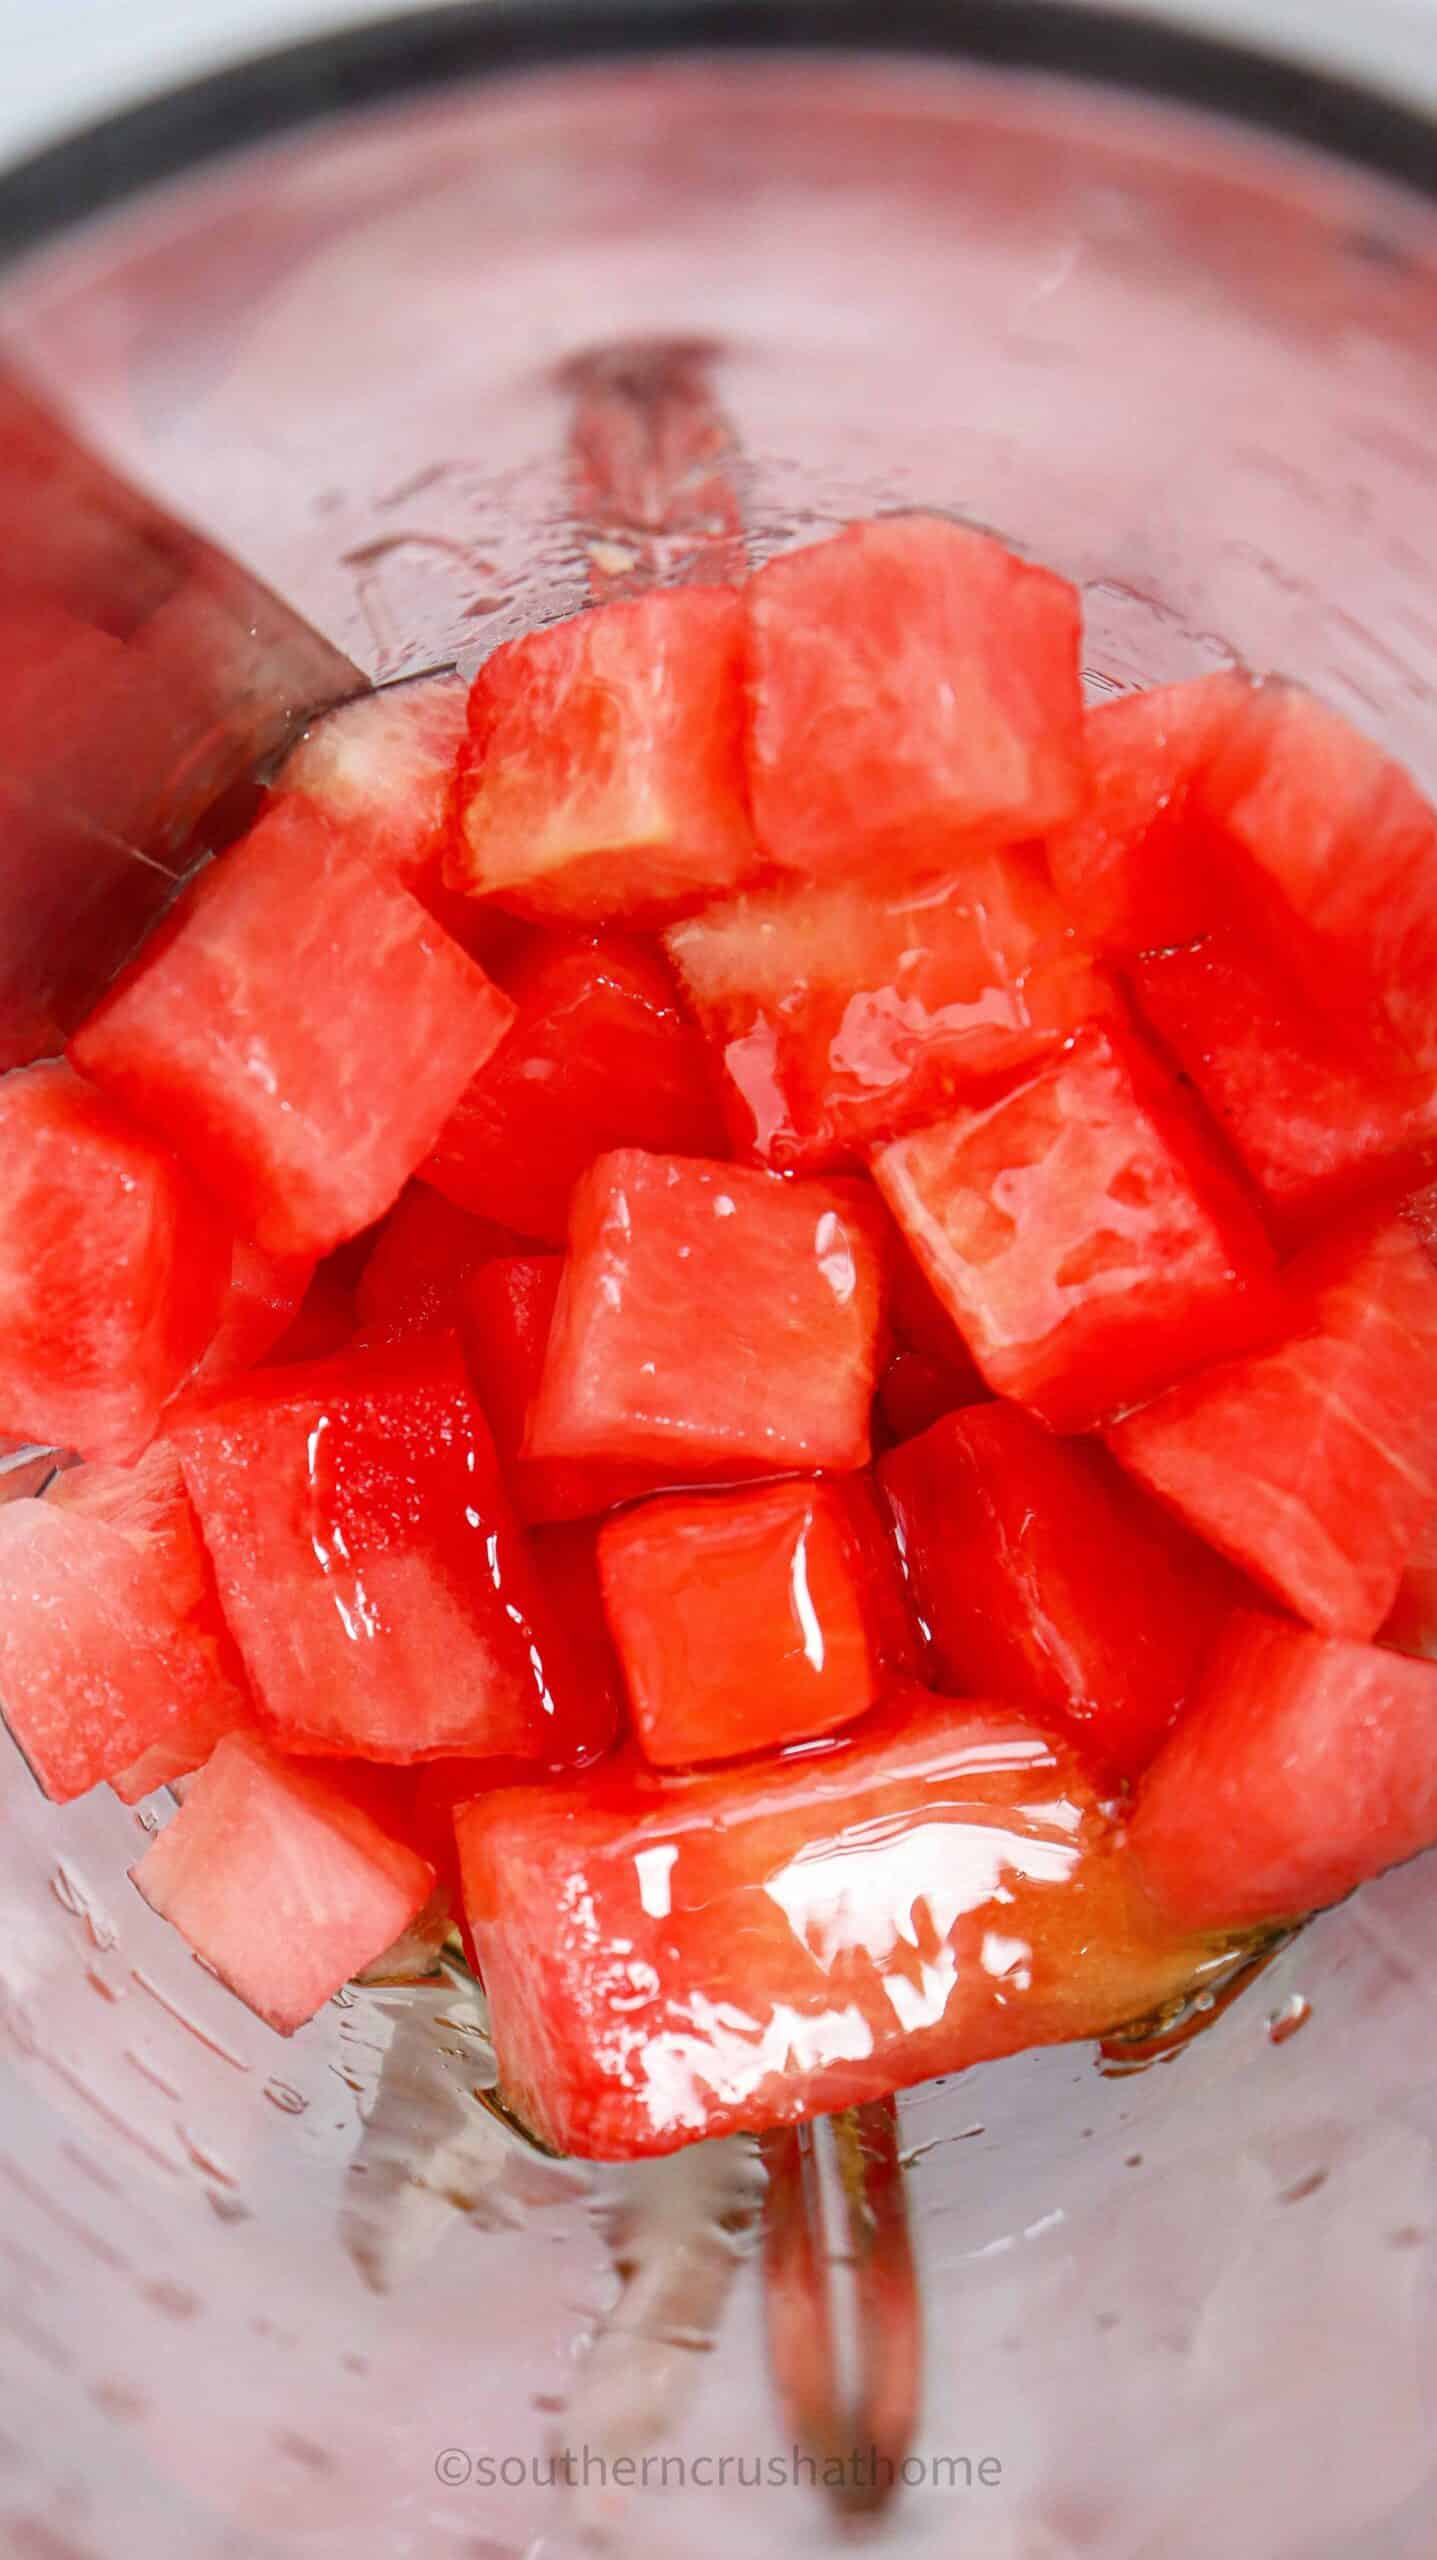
(751, 1312)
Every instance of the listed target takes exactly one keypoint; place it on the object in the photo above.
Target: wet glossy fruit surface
(760, 1944)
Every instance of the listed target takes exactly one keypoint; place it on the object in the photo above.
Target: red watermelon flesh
(371, 1568)
(1313, 1463)
(601, 1056)
(1343, 846)
(508, 1312)
(844, 1010)
(915, 694)
(303, 1072)
(1319, 1119)
(1412, 1626)
(742, 1619)
(265, 1295)
(114, 1660)
(1087, 1240)
(414, 1276)
(711, 1315)
(113, 1269)
(383, 766)
(914, 1392)
(603, 776)
(1258, 810)
(1043, 1576)
(279, 1882)
(748, 1946)
(1143, 866)
(1306, 1764)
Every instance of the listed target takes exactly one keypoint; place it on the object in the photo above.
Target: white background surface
(65, 61)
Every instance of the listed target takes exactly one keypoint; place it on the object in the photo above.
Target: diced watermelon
(714, 1315)
(741, 1619)
(1088, 1242)
(748, 1946)
(1344, 847)
(413, 1279)
(568, 1567)
(280, 1883)
(1306, 1764)
(845, 1010)
(1318, 1120)
(507, 1312)
(299, 1030)
(113, 1268)
(1313, 1464)
(370, 1565)
(383, 767)
(1143, 866)
(266, 1292)
(601, 1056)
(915, 694)
(1044, 1577)
(604, 773)
(114, 1660)
(1258, 807)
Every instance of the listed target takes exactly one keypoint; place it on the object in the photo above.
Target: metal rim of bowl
(376, 61)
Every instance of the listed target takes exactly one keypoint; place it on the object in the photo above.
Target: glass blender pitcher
(1167, 316)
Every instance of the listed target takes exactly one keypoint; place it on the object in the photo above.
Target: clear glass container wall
(248, 2293)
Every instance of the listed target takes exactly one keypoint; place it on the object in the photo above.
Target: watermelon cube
(845, 1010)
(266, 1292)
(507, 1313)
(299, 1030)
(568, 1565)
(114, 1660)
(1318, 1118)
(370, 1565)
(414, 1275)
(915, 694)
(1143, 866)
(744, 1947)
(1343, 848)
(113, 1268)
(1306, 1764)
(601, 1056)
(282, 1885)
(742, 1619)
(1313, 1463)
(1086, 1238)
(1043, 1576)
(383, 767)
(714, 1315)
(604, 773)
